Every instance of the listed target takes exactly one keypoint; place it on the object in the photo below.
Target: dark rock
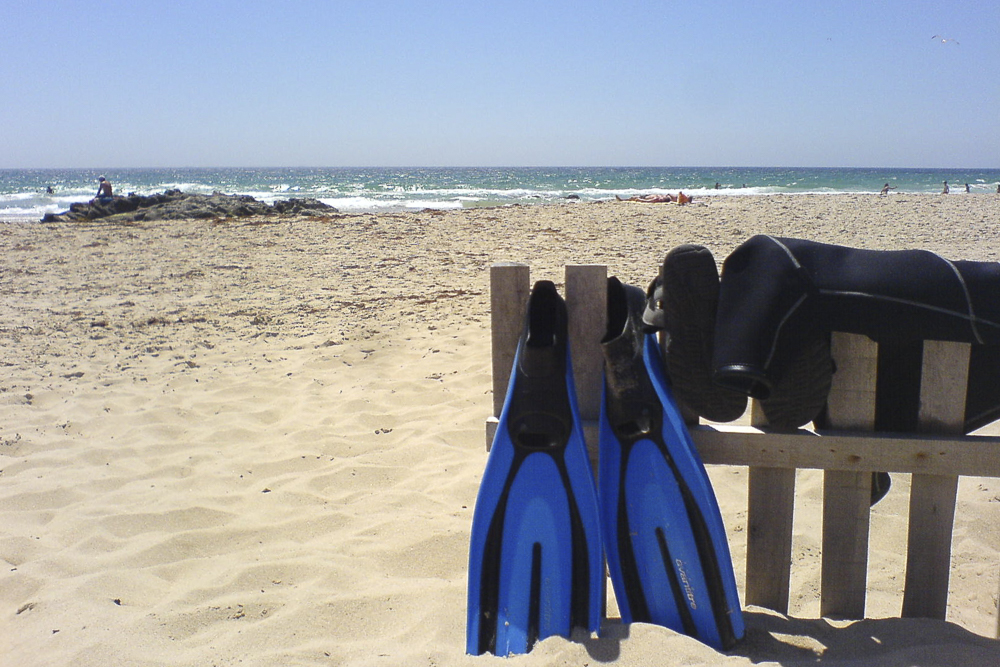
(306, 206)
(176, 205)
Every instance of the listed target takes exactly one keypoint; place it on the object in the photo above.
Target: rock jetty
(177, 205)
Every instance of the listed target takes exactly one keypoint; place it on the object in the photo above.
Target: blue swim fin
(664, 538)
(535, 565)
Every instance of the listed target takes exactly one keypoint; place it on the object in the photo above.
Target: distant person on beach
(649, 199)
(967, 189)
(104, 192)
(946, 188)
(681, 198)
(998, 188)
(886, 188)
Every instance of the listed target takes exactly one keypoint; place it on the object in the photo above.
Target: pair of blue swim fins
(536, 561)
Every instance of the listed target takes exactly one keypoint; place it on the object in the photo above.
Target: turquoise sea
(24, 195)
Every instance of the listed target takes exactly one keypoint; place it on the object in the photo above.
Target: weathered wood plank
(586, 304)
(770, 504)
(770, 511)
(842, 450)
(586, 307)
(932, 496)
(847, 493)
(509, 289)
(846, 519)
(851, 403)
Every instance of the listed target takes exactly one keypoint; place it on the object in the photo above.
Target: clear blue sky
(138, 83)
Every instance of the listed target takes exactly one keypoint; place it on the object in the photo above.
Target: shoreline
(374, 191)
(260, 440)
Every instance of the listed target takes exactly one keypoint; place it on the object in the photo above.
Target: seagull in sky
(944, 40)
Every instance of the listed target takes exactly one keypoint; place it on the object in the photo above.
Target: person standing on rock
(104, 194)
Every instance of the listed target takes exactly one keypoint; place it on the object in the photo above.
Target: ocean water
(24, 196)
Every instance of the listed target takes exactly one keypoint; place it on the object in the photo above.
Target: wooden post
(586, 307)
(509, 289)
(932, 497)
(770, 504)
(586, 304)
(770, 509)
(847, 493)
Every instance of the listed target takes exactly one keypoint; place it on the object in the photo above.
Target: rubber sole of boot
(689, 280)
(801, 377)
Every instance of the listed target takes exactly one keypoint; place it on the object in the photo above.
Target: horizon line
(607, 166)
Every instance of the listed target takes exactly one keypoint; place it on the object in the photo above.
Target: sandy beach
(258, 442)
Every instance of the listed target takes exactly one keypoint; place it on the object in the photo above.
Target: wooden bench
(935, 456)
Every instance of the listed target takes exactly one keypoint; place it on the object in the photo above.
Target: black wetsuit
(777, 291)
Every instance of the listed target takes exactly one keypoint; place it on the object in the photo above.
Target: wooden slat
(846, 518)
(586, 306)
(770, 511)
(973, 455)
(942, 386)
(770, 503)
(509, 289)
(847, 493)
(586, 303)
(932, 496)
(851, 404)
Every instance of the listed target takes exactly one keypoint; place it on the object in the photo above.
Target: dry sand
(259, 443)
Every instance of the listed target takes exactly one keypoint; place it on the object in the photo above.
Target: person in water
(104, 191)
(886, 188)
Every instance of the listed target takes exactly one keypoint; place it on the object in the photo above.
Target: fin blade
(710, 531)
(666, 544)
(535, 565)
